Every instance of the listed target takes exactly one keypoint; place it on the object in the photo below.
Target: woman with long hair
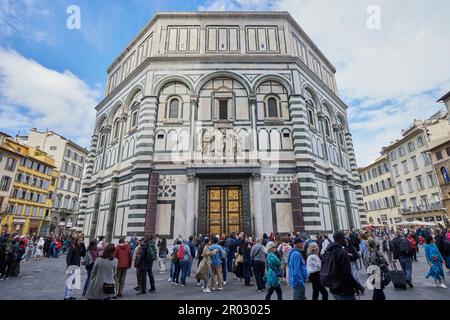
(435, 260)
(91, 255)
(103, 276)
(313, 265)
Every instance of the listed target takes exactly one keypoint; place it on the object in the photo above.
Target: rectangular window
(400, 188)
(426, 158)
(396, 170)
(410, 185)
(401, 151)
(405, 166)
(411, 146)
(431, 179)
(5, 183)
(223, 109)
(420, 141)
(393, 155)
(415, 164)
(419, 183)
(439, 155)
(11, 164)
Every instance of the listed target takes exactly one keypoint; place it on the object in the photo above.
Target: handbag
(109, 288)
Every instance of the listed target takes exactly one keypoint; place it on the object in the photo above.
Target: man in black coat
(148, 256)
(345, 286)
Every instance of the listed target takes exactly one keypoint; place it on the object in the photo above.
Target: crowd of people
(16, 248)
(332, 266)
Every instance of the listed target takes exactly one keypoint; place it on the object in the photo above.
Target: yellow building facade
(30, 201)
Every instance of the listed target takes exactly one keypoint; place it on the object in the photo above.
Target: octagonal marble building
(219, 122)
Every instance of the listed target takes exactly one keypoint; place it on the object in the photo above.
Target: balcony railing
(430, 207)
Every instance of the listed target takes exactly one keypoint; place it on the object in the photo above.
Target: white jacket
(313, 264)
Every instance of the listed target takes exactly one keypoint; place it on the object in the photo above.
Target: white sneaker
(220, 289)
(206, 290)
(199, 284)
(224, 283)
(170, 279)
(443, 286)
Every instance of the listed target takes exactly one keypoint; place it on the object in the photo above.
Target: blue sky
(52, 77)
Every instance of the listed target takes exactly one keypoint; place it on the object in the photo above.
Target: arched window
(102, 142)
(174, 108)
(272, 108)
(327, 127)
(116, 129)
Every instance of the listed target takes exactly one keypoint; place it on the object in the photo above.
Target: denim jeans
(88, 280)
(176, 272)
(184, 266)
(172, 268)
(205, 282)
(406, 264)
(189, 271)
(299, 292)
(341, 297)
(68, 290)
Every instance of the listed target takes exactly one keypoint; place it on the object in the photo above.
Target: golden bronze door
(224, 210)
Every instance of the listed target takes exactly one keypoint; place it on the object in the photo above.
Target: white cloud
(32, 95)
(388, 76)
(25, 18)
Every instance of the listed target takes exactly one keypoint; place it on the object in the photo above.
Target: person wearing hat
(273, 266)
(297, 270)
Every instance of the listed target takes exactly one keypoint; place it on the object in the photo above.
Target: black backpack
(404, 247)
(151, 253)
(329, 276)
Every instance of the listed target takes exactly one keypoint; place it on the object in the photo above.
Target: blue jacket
(297, 269)
(216, 260)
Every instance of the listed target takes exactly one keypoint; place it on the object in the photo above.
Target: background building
(440, 156)
(30, 200)
(9, 160)
(446, 100)
(379, 192)
(69, 159)
(419, 193)
(216, 122)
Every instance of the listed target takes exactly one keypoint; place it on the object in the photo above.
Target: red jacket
(412, 242)
(123, 255)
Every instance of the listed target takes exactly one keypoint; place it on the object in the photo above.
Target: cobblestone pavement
(44, 280)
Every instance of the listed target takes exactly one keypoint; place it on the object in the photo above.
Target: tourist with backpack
(375, 257)
(413, 244)
(178, 250)
(336, 273)
(148, 256)
(402, 251)
(297, 270)
(184, 256)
